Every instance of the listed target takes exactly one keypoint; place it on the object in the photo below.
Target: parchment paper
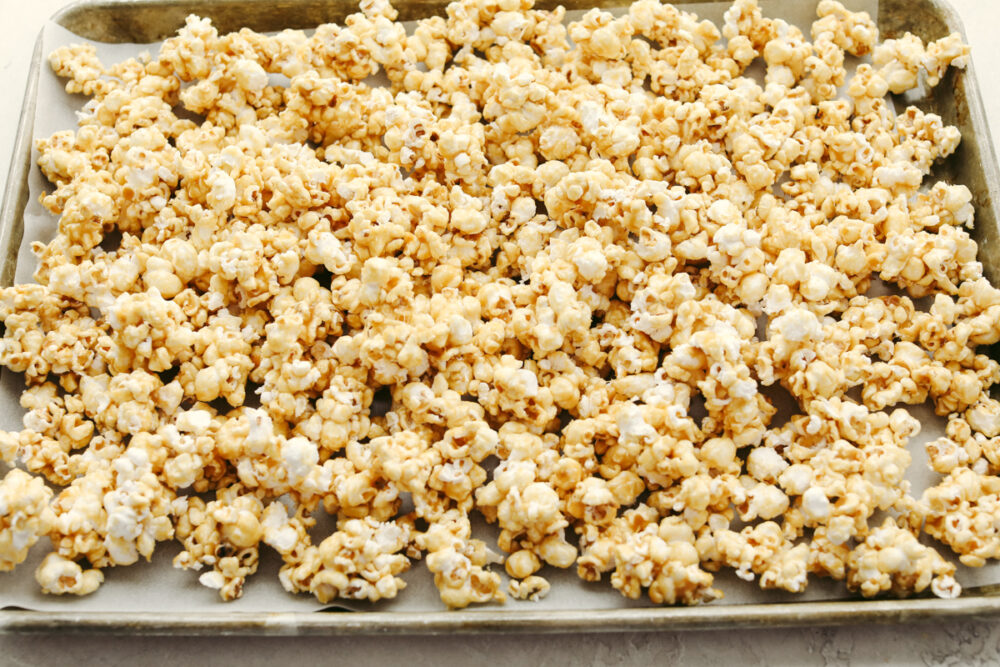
(156, 586)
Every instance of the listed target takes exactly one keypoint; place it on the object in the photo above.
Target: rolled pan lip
(492, 621)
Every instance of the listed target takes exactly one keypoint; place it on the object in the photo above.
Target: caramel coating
(553, 273)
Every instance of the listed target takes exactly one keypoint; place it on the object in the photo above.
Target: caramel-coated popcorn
(554, 274)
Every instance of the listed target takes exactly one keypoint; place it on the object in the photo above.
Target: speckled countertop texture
(967, 644)
(970, 642)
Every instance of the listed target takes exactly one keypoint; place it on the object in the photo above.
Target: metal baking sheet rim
(974, 602)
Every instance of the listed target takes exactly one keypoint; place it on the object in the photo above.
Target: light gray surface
(958, 643)
(966, 645)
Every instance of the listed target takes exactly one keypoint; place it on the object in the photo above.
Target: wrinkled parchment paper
(158, 587)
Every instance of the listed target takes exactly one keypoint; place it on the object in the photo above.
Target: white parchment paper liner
(157, 587)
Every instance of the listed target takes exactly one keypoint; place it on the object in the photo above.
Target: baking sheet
(157, 587)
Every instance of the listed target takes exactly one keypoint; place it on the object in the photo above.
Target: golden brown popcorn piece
(891, 558)
(854, 32)
(26, 516)
(223, 534)
(459, 563)
(646, 554)
(960, 512)
(360, 561)
(60, 576)
(114, 513)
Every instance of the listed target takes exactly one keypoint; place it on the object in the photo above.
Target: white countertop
(949, 643)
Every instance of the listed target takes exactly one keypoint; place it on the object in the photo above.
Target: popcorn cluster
(576, 260)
